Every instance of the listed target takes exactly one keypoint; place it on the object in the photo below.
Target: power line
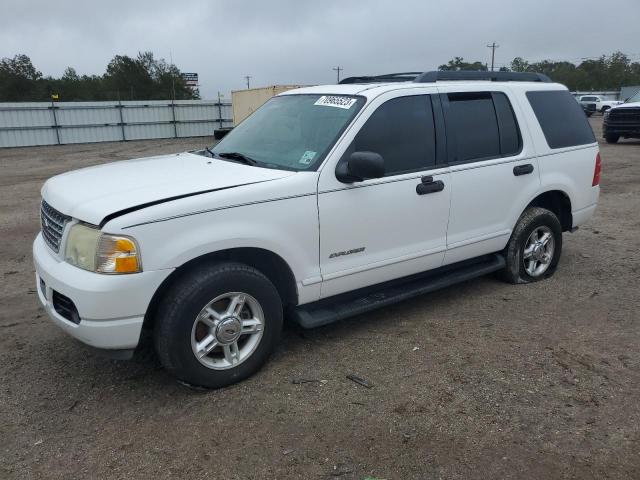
(338, 69)
(493, 47)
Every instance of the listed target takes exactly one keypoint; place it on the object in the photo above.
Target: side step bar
(346, 305)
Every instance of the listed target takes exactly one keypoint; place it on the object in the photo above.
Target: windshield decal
(307, 157)
(338, 102)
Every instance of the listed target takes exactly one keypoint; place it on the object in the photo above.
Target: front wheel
(218, 324)
(533, 252)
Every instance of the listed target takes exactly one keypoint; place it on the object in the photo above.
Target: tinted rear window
(481, 125)
(476, 125)
(563, 121)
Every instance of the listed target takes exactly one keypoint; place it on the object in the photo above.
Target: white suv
(327, 202)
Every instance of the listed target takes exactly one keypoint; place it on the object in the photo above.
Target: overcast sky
(298, 42)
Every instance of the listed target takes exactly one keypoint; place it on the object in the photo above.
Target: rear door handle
(429, 186)
(522, 169)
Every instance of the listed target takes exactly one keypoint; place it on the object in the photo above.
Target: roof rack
(386, 78)
(429, 77)
(435, 76)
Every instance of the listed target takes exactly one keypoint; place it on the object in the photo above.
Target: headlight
(90, 249)
(606, 113)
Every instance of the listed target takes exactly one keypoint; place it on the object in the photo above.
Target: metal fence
(44, 123)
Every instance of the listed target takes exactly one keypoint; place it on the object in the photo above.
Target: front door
(381, 229)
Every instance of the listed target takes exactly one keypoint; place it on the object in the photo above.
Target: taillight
(596, 171)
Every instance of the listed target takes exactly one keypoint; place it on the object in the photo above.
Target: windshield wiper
(210, 152)
(241, 157)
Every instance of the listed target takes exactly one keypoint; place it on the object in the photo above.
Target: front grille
(624, 116)
(65, 307)
(53, 223)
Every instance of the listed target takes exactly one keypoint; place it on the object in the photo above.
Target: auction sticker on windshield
(339, 102)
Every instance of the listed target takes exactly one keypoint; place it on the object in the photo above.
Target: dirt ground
(481, 380)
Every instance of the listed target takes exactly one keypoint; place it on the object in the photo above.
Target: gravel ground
(481, 380)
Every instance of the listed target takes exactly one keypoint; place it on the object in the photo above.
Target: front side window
(292, 132)
(402, 131)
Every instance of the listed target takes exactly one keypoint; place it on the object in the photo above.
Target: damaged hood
(93, 193)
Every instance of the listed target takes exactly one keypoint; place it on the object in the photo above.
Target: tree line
(147, 78)
(126, 78)
(608, 72)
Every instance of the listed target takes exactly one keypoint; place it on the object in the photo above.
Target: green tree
(18, 79)
(519, 64)
(457, 64)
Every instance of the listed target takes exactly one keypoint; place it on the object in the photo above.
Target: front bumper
(626, 129)
(110, 308)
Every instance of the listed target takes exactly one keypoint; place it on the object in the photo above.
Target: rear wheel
(533, 252)
(218, 324)
(610, 138)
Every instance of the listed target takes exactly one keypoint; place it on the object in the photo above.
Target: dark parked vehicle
(589, 108)
(623, 120)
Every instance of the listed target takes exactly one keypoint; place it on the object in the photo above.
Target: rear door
(492, 166)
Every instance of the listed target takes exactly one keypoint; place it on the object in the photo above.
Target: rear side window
(402, 131)
(562, 120)
(481, 125)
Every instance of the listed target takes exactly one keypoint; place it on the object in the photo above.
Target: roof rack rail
(386, 78)
(435, 76)
(430, 77)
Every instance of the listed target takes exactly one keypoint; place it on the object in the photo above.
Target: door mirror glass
(360, 166)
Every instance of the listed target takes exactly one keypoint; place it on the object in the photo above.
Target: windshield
(634, 98)
(292, 132)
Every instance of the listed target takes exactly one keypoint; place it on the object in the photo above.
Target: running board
(347, 305)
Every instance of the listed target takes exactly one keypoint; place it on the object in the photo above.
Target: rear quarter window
(562, 120)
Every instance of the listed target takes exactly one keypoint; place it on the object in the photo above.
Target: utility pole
(493, 47)
(247, 78)
(338, 69)
(220, 108)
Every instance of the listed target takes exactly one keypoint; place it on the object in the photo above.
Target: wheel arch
(270, 264)
(559, 203)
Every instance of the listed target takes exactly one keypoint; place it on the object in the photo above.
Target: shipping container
(245, 102)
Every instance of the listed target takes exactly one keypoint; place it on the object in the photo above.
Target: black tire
(183, 302)
(610, 138)
(588, 114)
(531, 219)
(604, 109)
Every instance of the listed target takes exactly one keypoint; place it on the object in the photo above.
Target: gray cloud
(297, 41)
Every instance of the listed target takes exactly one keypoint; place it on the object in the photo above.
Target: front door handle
(429, 186)
(522, 169)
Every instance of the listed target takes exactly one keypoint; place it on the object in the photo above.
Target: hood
(94, 193)
(628, 105)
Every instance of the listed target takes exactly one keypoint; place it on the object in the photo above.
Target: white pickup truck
(327, 202)
(601, 104)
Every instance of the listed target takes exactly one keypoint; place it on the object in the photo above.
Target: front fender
(288, 228)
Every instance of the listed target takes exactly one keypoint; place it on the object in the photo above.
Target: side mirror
(360, 166)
